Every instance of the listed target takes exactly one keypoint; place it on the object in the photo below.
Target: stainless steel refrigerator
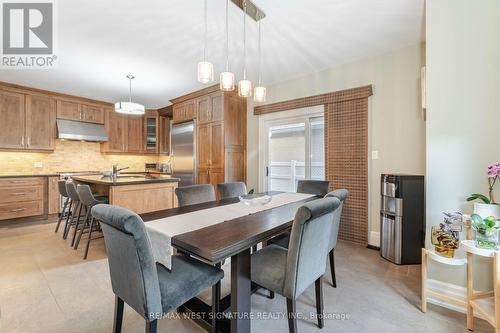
(183, 146)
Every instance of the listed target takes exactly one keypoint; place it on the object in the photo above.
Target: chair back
(61, 185)
(342, 195)
(231, 190)
(86, 196)
(134, 277)
(71, 190)
(308, 247)
(194, 194)
(316, 187)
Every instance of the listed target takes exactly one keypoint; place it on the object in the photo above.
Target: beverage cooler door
(390, 237)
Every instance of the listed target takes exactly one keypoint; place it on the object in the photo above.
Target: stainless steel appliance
(402, 221)
(79, 130)
(183, 152)
(67, 176)
(158, 168)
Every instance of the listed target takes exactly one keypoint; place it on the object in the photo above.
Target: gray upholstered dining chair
(342, 195)
(194, 194)
(76, 213)
(290, 272)
(61, 185)
(146, 286)
(316, 187)
(231, 190)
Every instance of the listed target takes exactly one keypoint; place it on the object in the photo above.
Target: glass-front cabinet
(151, 132)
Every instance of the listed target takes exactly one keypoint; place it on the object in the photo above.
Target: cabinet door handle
(22, 140)
(17, 209)
(18, 194)
(29, 141)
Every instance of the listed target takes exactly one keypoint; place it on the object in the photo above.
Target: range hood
(79, 130)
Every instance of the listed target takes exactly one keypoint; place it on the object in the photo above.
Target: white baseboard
(451, 290)
(374, 238)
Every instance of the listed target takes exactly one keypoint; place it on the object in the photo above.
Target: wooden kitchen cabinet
(116, 128)
(53, 201)
(135, 134)
(40, 123)
(184, 112)
(69, 110)
(93, 114)
(21, 197)
(13, 120)
(151, 131)
(164, 135)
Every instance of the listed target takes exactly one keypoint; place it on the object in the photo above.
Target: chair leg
(62, 214)
(82, 228)
(89, 239)
(66, 224)
(319, 301)
(291, 312)
(77, 223)
(151, 326)
(117, 323)
(215, 305)
(332, 268)
(271, 294)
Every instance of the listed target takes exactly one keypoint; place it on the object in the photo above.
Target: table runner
(161, 231)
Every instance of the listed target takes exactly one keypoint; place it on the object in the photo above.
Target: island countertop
(126, 179)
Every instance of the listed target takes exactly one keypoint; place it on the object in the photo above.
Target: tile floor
(46, 287)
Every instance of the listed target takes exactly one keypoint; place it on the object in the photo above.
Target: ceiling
(160, 42)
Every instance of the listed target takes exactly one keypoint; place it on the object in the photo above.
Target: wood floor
(46, 287)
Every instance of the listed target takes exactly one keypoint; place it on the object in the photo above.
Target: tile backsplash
(69, 156)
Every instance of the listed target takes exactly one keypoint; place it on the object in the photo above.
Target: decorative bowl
(255, 199)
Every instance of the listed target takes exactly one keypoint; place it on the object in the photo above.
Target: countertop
(126, 179)
(31, 175)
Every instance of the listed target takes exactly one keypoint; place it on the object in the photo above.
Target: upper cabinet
(164, 135)
(72, 110)
(184, 111)
(151, 131)
(28, 121)
(116, 127)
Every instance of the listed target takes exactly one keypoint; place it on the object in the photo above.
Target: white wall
(463, 117)
(397, 129)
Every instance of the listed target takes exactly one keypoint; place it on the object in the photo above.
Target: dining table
(230, 239)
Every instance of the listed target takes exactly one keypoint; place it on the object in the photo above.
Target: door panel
(13, 120)
(134, 135)
(69, 110)
(190, 110)
(203, 146)
(217, 107)
(40, 122)
(217, 145)
(164, 135)
(216, 177)
(203, 106)
(116, 127)
(93, 114)
(203, 176)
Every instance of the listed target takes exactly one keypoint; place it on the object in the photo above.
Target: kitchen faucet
(116, 170)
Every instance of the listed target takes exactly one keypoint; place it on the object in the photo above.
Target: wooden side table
(431, 254)
(487, 303)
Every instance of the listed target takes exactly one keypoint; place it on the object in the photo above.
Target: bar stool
(76, 213)
(88, 200)
(61, 185)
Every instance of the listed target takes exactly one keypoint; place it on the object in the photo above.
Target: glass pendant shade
(245, 88)
(205, 72)
(259, 94)
(227, 81)
(129, 108)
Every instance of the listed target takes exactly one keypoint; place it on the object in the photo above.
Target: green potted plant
(488, 206)
(486, 231)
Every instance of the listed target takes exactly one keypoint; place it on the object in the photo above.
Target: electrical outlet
(38, 165)
(374, 154)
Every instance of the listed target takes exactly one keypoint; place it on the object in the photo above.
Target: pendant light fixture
(227, 77)
(259, 94)
(205, 68)
(245, 86)
(129, 107)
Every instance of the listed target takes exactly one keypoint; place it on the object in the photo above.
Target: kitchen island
(141, 193)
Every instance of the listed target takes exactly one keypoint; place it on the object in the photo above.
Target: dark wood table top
(223, 240)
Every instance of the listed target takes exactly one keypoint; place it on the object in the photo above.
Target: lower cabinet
(53, 201)
(21, 197)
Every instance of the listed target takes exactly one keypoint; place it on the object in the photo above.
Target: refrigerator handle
(267, 171)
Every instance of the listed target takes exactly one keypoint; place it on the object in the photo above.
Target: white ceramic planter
(485, 210)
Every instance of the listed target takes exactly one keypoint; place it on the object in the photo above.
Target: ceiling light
(205, 68)
(244, 86)
(129, 107)
(259, 94)
(227, 77)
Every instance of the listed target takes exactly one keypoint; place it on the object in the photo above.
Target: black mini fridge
(402, 218)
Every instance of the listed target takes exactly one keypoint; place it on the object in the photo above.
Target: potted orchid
(488, 206)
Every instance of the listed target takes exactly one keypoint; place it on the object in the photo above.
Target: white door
(294, 151)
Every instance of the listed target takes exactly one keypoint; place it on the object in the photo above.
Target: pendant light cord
(260, 53)
(130, 90)
(227, 36)
(206, 33)
(244, 40)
